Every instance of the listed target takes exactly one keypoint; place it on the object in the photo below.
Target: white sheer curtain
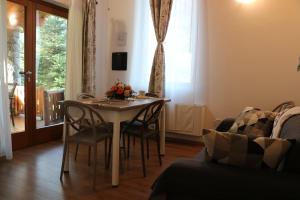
(74, 50)
(185, 48)
(186, 56)
(5, 135)
(144, 44)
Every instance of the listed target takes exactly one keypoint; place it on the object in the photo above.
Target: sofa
(197, 178)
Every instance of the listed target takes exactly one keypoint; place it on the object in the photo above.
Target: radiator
(186, 119)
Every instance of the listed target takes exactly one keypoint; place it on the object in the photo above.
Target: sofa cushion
(238, 150)
(254, 123)
(291, 130)
(282, 118)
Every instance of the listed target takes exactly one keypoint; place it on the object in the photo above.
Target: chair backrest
(85, 96)
(149, 94)
(81, 116)
(12, 88)
(149, 114)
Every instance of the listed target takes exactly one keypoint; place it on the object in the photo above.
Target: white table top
(121, 105)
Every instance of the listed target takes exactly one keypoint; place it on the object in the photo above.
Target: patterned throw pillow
(238, 150)
(254, 123)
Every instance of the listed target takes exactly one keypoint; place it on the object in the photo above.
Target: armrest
(225, 125)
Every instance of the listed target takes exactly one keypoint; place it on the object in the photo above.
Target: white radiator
(186, 119)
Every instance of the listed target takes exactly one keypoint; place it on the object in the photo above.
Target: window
(179, 42)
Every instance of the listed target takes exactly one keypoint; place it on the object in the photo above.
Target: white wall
(254, 52)
(112, 15)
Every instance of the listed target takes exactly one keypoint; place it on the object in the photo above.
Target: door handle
(26, 73)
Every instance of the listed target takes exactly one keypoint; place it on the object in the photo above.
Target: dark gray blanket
(197, 179)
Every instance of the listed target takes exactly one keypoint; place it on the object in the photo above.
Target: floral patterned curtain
(89, 47)
(161, 11)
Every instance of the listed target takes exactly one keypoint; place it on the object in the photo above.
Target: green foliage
(51, 53)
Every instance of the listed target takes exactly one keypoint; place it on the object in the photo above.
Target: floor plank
(34, 173)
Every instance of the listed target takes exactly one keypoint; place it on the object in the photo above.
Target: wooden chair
(96, 130)
(149, 94)
(145, 125)
(11, 91)
(85, 96)
(81, 97)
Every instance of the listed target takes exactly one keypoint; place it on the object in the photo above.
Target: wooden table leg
(163, 131)
(115, 149)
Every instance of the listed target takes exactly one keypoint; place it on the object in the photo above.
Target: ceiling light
(245, 1)
(13, 19)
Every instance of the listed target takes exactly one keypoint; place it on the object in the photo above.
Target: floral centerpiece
(119, 91)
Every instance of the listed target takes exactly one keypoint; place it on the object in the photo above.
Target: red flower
(114, 88)
(120, 91)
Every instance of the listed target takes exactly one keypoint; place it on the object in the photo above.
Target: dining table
(116, 111)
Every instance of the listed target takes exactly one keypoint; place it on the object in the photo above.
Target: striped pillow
(238, 150)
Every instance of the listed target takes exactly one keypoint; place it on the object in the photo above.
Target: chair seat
(90, 129)
(135, 124)
(137, 128)
(87, 137)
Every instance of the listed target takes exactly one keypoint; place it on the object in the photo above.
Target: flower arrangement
(119, 91)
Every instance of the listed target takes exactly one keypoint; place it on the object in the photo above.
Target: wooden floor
(34, 174)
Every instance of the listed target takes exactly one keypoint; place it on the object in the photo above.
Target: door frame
(32, 135)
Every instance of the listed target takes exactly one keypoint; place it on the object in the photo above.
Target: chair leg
(105, 152)
(128, 145)
(89, 156)
(143, 156)
(147, 141)
(63, 160)
(158, 148)
(109, 153)
(95, 167)
(133, 140)
(76, 151)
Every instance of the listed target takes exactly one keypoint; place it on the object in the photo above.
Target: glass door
(37, 35)
(16, 31)
(50, 69)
